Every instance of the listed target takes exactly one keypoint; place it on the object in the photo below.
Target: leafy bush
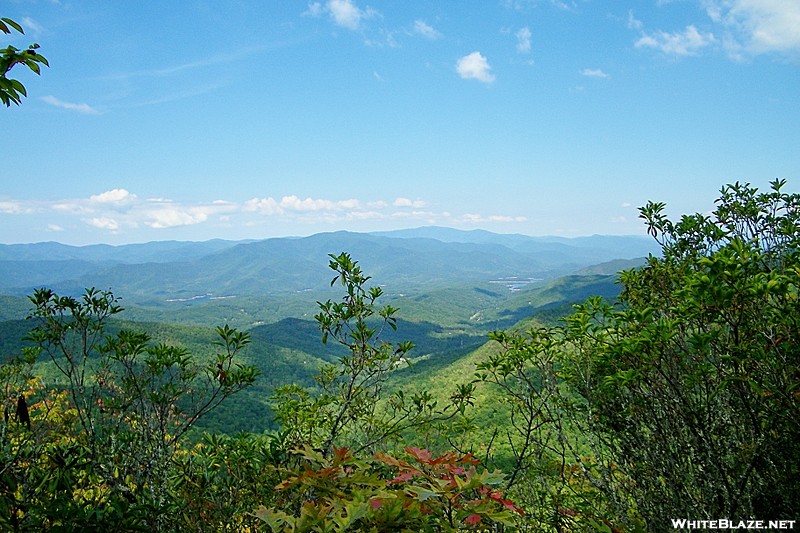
(349, 407)
(686, 390)
(100, 454)
(383, 493)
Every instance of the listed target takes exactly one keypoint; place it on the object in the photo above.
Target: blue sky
(195, 120)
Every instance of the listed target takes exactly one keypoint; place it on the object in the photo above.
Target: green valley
(417, 383)
(451, 293)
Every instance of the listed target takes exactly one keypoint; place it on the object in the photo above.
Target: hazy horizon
(416, 228)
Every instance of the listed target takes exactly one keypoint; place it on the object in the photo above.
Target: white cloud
(364, 215)
(118, 211)
(309, 204)
(13, 208)
(504, 218)
(343, 13)
(633, 22)
(477, 218)
(523, 40)
(269, 206)
(426, 30)
(352, 203)
(685, 43)
(169, 217)
(593, 73)
(405, 202)
(744, 28)
(86, 109)
(294, 203)
(265, 206)
(758, 26)
(103, 223)
(475, 66)
(114, 196)
(347, 14)
(524, 5)
(315, 9)
(73, 207)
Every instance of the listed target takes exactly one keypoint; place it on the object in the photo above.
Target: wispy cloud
(477, 218)
(633, 22)
(523, 40)
(211, 60)
(343, 13)
(593, 73)
(743, 28)
(682, 43)
(756, 27)
(369, 23)
(86, 109)
(425, 30)
(32, 27)
(475, 66)
(14, 208)
(150, 89)
(524, 5)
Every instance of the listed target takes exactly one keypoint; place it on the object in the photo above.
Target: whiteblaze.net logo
(724, 523)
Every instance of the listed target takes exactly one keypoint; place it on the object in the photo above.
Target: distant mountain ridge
(403, 260)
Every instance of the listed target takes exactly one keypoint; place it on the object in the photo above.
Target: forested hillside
(157, 273)
(447, 318)
(461, 396)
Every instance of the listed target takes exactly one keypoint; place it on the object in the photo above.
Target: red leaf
(400, 478)
(423, 456)
(473, 519)
(340, 454)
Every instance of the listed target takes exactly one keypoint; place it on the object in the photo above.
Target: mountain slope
(154, 273)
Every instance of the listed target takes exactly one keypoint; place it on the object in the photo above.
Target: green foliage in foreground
(683, 398)
(382, 493)
(679, 399)
(11, 90)
(346, 408)
(100, 454)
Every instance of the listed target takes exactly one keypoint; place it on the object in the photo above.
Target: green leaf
(421, 493)
(11, 23)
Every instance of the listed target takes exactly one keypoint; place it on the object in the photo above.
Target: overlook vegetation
(588, 402)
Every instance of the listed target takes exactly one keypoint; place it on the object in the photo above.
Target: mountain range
(452, 287)
(416, 260)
